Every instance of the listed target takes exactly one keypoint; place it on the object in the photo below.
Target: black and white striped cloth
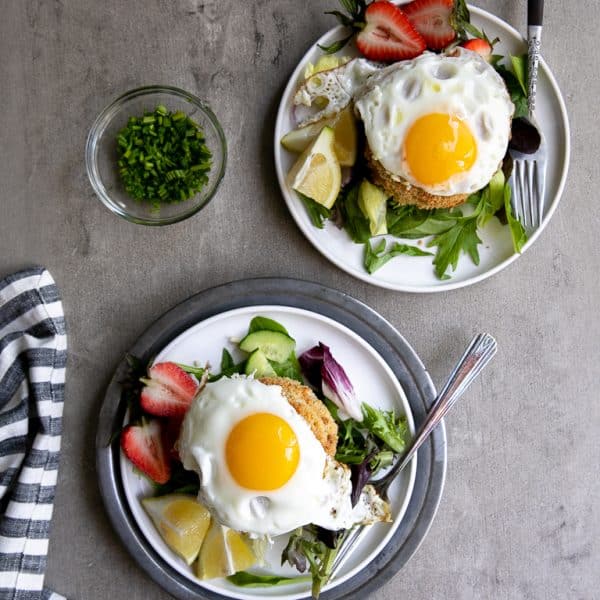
(33, 352)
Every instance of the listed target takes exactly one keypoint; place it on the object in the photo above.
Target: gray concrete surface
(519, 517)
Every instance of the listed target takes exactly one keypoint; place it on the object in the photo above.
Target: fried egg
(440, 122)
(261, 468)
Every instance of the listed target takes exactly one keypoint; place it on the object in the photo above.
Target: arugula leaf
(517, 231)
(265, 324)
(253, 580)
(376, 257)
(355, 222)
(413, 223)
(384, 424)
(317, 212)
(461, 238)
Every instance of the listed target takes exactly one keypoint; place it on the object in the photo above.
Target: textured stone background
(519, 516)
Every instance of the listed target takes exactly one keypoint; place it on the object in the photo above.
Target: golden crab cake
(402, 192)
(310, 408)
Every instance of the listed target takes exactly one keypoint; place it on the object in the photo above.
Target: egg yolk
(262, 452)
(439, 146)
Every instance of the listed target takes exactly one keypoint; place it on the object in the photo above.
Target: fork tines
(528, 192)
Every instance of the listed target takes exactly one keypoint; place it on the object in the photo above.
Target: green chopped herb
(163, 157)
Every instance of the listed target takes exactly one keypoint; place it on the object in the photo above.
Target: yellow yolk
(439, 146)
(262, 452)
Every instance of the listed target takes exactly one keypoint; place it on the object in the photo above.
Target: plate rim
(198, 330)
(378, 333)
(441, 287)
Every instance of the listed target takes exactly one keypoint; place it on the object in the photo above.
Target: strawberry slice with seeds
(143, 446)
(388, 35)
(169, 391)
(481, 46)
(431, 18)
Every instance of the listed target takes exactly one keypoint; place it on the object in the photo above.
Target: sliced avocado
(275, 345)
(259, 365)
(373, 204)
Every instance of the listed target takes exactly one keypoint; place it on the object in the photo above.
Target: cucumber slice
(275, 345)
(259, 365)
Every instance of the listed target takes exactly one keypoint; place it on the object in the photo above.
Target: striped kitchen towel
(33, 352)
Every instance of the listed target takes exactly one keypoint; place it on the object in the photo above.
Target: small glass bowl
(101, 154)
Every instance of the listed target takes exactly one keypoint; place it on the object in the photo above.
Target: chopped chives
(163, 157)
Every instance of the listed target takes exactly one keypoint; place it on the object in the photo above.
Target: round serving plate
(360, 338)
(416, 274)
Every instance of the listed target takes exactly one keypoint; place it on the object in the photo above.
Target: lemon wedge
(317, 173)
(344, 130)
(181, 521)
(224, 552)
(372, 202)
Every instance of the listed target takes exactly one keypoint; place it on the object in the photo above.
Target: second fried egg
(439, 122)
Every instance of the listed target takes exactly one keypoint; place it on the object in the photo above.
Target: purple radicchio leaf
(360, 475)
(311, 362)
(337, 386)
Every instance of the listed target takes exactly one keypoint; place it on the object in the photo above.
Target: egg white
(462, 84)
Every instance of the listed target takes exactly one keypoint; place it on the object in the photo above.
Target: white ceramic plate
(412, 274)
(374, 382)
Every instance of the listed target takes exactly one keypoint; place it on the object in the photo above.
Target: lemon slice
(224, 552)
(317, 172)
(181, 521)
(372, 202)
(344, 131)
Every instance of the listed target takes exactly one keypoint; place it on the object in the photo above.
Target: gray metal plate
(336, 305)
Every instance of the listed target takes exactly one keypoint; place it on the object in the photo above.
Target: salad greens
(369, 440)
(163, 157)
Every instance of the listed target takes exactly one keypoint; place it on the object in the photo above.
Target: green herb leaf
(413, 223)
(515, 89)
(355, 223)
(317, 212)
(254, 580)
(384, 425)
(289, 368)
(377, 256)
(198, 372)
(336, 46)
(517, 231)
(519, 65)
(265, 324)
(182, 481)
(492, 198)
(228, 366)
(461, 238)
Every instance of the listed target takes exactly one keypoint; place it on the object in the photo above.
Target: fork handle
(535, 15)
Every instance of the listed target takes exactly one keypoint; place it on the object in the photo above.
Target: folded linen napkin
(33, 350)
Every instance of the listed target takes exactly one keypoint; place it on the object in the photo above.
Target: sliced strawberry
(174, 378)
(480, 46)
(169, 391)
(143, 446)
(388, 35)
(431, 18)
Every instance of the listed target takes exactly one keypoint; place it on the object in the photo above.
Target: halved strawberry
(169, 391)
(143, 446)
(431, 18)
(482, 47)
(388, 35)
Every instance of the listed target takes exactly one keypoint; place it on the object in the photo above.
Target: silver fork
(528, 179)
(478, 354)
